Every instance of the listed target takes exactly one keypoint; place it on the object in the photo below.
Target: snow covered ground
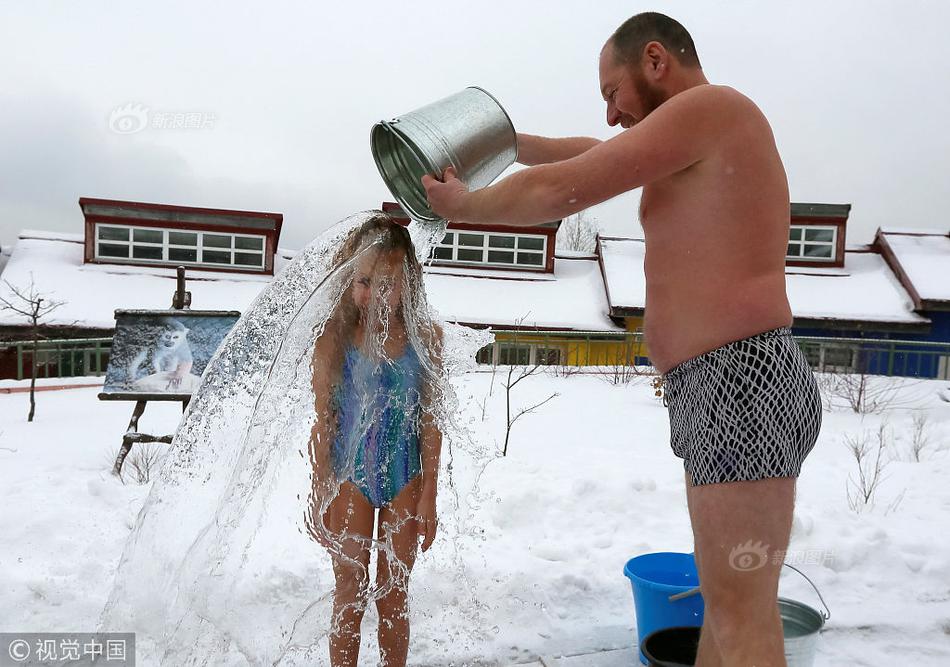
(589, 482)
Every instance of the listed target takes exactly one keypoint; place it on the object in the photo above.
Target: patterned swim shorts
(744, 411)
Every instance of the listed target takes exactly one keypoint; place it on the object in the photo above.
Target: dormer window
(149, 244)
(493, 249)
(816, 235)
(122, 232)
(812, 243)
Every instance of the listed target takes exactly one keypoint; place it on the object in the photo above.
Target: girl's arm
(430, 442)
(323, 432)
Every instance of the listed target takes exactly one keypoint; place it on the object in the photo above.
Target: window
(168, 246)
(520, 354)
(812, 243)
(492, 249)
(514, 355)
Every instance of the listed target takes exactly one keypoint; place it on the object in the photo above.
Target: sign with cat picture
(161, 354)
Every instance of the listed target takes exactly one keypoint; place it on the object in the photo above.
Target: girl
(375, 444)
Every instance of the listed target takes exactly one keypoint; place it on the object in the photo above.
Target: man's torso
(716, 237)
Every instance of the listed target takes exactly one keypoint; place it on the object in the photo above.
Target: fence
(595, 348)
(90, 356)
(58, 358)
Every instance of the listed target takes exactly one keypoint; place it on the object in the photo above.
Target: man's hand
(446, 197)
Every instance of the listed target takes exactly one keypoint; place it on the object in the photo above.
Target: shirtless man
(744, 407)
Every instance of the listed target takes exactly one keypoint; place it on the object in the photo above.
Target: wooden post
(128, 438)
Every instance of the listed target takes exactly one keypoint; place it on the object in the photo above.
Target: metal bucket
(469, 131)
(800, 627)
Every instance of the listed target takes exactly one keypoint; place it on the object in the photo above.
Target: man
(744, 407)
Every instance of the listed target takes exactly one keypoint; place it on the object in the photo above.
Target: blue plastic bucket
(654, 578)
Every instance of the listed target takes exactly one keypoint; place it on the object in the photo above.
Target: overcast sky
(285, 93)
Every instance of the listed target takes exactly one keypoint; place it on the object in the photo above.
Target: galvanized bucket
(801, 625)
(469, 131)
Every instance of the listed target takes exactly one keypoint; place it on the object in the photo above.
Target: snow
(926, 260)
(560, 515)
(623, 271)
(869, 292)
(865, 289)
(573, 300)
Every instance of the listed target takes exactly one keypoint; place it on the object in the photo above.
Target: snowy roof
(924, 256)
(623, 271)
(867, 291)
(864, 290)
(92, 292)
(571, 298)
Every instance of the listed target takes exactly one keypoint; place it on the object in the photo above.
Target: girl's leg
(349, 518)
(399, 536)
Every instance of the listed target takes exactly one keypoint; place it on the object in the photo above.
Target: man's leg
(738, 527)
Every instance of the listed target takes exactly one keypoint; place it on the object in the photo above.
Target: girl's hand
(446, 197)
(426, 520)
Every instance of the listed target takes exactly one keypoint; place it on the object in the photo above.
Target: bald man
(744, 407)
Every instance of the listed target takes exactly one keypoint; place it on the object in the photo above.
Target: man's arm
(675, 136)
(533, 150)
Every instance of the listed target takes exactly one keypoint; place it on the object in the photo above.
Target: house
(881, 308)
(126, 257)
(861, 293)
(545, 306)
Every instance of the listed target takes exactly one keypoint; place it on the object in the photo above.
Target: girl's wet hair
(379, 236)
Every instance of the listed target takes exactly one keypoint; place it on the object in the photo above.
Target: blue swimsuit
(377, 407)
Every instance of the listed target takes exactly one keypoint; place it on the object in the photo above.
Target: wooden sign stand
(180, 301)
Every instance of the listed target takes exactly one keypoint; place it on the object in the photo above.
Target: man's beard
(650, 96)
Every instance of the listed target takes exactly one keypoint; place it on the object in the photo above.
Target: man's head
(647, 60)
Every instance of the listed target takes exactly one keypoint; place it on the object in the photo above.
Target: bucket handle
(826, 614)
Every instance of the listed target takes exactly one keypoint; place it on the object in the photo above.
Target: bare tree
(32, 305)
(862, 392)
(143, 462)
(919, 436)
(515, 375)
(870, 456)
(578, 232)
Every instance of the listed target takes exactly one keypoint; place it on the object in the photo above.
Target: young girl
(375, 444)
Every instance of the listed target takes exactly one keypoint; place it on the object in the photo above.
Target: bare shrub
(920, 436)
(871, 454)
(861, 392)
(515, 375)
(142, 462)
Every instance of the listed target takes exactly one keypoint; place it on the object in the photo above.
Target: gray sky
(857, 94)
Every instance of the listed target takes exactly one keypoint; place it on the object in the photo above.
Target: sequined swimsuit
(377, 408)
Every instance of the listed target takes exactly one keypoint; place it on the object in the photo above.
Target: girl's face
(377, 282)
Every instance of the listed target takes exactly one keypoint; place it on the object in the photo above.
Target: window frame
(130, 243)
(486, 248)
(802, 242)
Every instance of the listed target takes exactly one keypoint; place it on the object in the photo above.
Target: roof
(808, 210)
(163, 214)
(571, 298)
(864, 290)
(923, 256)
(625, 283)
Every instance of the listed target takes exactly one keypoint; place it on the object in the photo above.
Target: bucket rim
(804, 608)
(386, 128)
(635, 578)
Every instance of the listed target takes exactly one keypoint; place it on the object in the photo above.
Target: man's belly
(680, 325)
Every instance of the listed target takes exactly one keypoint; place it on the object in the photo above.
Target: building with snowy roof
(546, 306)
